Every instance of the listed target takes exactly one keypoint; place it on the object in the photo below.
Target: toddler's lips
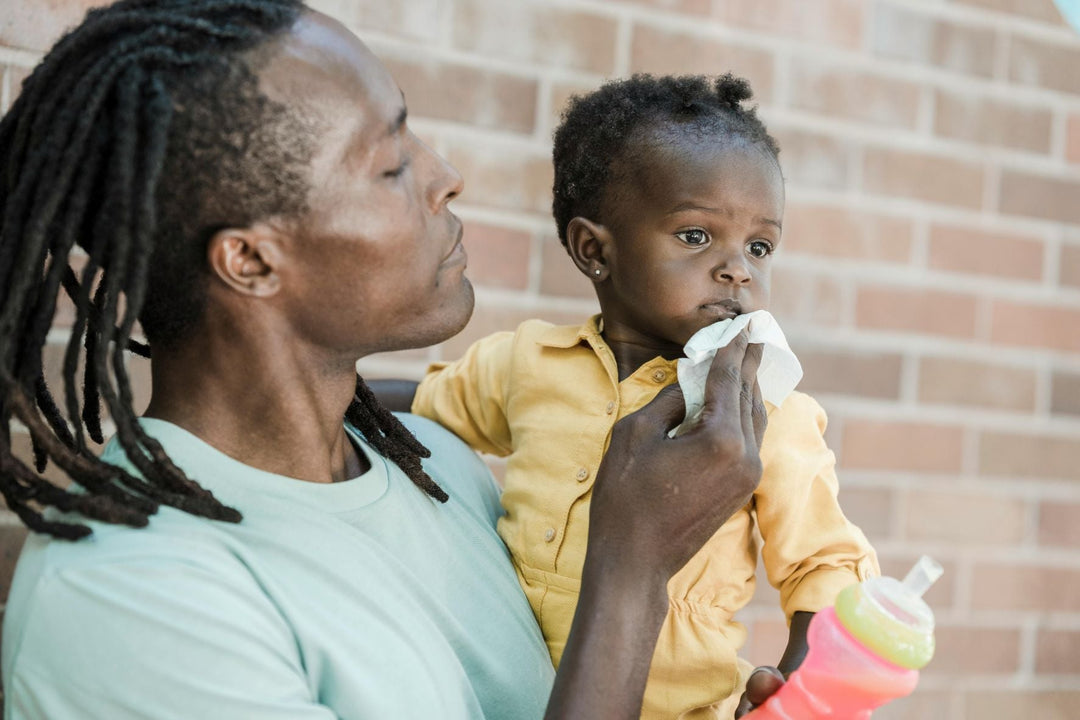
(724, 309)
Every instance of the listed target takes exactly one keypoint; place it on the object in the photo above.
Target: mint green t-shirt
(360, 599)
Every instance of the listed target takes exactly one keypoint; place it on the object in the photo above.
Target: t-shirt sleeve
(468, 396)
(811, 551)
(155, 641)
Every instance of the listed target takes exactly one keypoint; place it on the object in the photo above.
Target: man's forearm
(606, 661)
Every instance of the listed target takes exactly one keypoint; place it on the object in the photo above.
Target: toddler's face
(693, 234)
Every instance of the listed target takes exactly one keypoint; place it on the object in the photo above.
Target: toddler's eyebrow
(687, 206)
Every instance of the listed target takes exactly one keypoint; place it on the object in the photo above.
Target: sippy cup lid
(890, 617)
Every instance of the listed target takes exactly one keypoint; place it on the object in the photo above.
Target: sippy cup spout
(924, 574)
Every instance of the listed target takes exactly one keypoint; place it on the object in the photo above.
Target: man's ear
(247, 259)
(590, 246)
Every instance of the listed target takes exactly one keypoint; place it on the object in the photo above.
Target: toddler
(669, 198)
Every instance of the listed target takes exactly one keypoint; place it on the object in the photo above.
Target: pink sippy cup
(864, 652)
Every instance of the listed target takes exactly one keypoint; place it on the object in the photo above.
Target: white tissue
(777, 375)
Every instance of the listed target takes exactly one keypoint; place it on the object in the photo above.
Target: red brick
(466, 95)
(498, 256)
(1043, 10)
(841, 91)
(814, 160)
(1029, 456)
(871, 509)
(836, 23)
(985, 121)
(558, 274)
(986, 252)
(664, 52)
(1040, 196)
(999, 586)
(11, 542)
(1022, 704)
(802, 297)
(546, 35)
(1072, 143)
(1057, 652)
(965, 518)
(951, 381)
(973, 650)
(847, 234)
(916, 447)
(502, 177)
(687, 7)
(1065, 393)
(37, 25)
(1059, 524)
(416, 19)
(1070, 266)
(1036, 326)
(913, 310)
(863, 374)
(1038, 63)
(923, 177)
(906, 34)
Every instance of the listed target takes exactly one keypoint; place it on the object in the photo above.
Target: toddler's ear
(590, 246)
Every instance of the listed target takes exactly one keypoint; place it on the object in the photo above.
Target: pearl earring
(596, 272)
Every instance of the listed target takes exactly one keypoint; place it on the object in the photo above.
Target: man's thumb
(667, 408)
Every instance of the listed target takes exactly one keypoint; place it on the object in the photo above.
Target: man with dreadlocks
(238, 177)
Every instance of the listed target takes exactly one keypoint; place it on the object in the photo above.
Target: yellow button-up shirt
(546, 397)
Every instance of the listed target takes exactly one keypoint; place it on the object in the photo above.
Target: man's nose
(446, 182)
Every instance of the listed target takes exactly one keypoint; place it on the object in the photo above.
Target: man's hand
(655, 502)
(660, 499)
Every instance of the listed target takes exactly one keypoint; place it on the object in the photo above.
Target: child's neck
(631, 353)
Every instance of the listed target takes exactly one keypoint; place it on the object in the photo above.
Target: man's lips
(457, 251)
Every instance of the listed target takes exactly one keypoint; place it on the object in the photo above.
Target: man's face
(694, 233)
(377, 263)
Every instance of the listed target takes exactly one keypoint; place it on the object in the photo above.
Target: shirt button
(610, 407)
(659, 375)
(549, 534)
(582, 475)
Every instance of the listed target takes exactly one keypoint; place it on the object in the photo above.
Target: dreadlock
(603, 131)
(140, 134)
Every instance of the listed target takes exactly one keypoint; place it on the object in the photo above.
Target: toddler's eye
(760, 248)
(693, 236)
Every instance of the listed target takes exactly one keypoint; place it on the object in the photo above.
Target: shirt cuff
(818, 589)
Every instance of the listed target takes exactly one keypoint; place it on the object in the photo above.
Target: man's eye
(694, 236)
(760, 248)
(396, 172)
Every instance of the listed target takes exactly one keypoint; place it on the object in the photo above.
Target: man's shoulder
(453, 464)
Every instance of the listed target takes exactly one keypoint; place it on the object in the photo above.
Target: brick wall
(929, 279)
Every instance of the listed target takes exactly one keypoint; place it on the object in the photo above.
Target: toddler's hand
(760, 686)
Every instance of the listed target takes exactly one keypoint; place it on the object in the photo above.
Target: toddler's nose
(733, 269)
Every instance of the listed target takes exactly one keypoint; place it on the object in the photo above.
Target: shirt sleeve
(811, 551)
(468, 396)
(136, 640)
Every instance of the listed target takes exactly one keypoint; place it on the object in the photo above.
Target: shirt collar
(567, 336)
